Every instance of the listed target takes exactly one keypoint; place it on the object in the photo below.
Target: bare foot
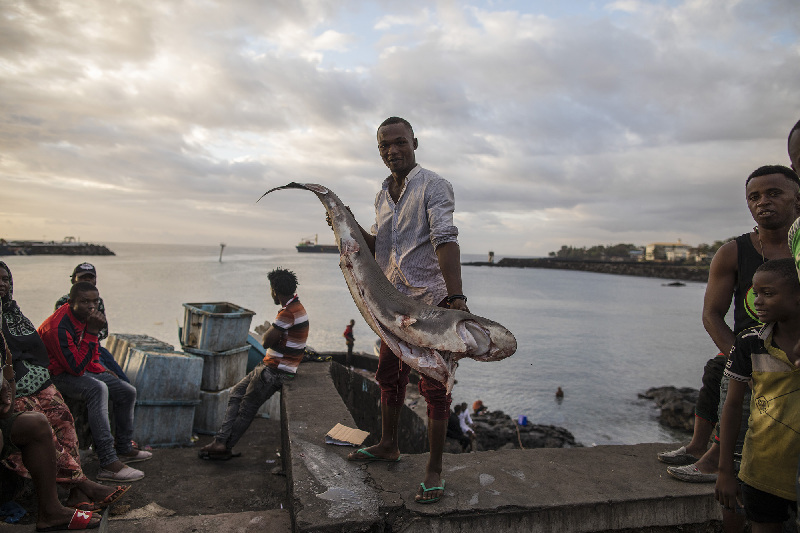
(378, 451)
(432, 479)
(89, 491)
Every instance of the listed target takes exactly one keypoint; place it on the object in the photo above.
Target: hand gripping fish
(428, 338)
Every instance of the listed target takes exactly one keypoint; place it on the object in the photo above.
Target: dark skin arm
(727, 488)
(7, 394)
(271, 337)
(449, 255)
(94, 324)
(717, 300)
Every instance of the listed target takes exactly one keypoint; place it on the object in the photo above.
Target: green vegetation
(600, 252)
(626, 252)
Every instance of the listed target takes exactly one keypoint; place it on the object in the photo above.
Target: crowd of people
(753, 456)
(62, 358)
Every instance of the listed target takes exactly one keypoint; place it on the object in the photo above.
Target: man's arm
(449, 255)
(727, 487)
(76, 354)
(719, 292)
(271, 337)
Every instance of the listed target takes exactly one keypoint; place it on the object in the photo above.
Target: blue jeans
(108, 361)
(246, 398)
(95, 390)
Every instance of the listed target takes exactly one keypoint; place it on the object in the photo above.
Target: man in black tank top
(773, 198)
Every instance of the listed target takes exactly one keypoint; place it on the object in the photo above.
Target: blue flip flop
(363, 456)
(430, 500)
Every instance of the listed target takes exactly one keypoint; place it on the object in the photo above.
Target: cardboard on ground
(345, 436)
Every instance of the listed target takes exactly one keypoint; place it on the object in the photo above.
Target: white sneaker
(135, 456)
(126, 474)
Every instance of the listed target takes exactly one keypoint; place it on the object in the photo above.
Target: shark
(428, 338)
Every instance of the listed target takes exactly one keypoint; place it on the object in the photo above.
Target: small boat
(313, 247)
(674, 284)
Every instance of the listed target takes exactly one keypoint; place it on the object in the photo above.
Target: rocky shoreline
(622, 268)
(495, 430)
(676, 405)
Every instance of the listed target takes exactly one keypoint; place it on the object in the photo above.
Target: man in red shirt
(70, 335)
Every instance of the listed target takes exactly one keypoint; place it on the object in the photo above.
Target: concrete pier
(605, 488)
(623, 489)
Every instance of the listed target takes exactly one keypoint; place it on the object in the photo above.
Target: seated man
(285, 341)
(70, 335)
(87, 272)
(30, 433)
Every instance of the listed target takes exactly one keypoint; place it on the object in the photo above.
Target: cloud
(635, 122)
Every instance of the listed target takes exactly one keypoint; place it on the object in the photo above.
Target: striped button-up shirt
(407, 234)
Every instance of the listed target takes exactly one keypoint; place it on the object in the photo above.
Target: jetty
(593, 489)
(69, 246)
(648, 269)
(288, 480)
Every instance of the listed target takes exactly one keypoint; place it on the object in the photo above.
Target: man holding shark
(415, 244)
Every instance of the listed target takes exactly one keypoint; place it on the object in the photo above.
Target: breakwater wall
(646, 269)
(52, 248)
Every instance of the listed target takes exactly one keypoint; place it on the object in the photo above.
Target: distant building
(667, 251)
(636, 255)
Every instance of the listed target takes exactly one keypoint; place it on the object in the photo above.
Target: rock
(676, 405)
(496, 430)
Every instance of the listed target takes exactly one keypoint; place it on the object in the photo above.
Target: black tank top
(748, 260)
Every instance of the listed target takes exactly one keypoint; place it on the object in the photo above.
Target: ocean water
(602, 338)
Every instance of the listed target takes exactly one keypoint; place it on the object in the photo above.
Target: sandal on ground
(113, 497)
(86, 506)
(690, 473)
(217, 456)
(363, 456)
(426, 490)
(80, 520)
(677, 457)
(136, 456)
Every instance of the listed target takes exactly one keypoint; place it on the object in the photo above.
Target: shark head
(486, 340)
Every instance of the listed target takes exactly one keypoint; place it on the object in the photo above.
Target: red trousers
(392, 376)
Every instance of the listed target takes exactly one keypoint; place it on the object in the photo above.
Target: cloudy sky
(579, 123)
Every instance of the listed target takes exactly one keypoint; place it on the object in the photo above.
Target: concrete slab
(568, 490)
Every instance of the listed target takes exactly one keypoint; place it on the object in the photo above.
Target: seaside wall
(572, 490)
(642, 269)
(362, 398)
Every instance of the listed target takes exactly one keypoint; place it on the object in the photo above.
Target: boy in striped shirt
(285, 341)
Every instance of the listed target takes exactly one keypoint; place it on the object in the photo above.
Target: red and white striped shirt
(292, 320)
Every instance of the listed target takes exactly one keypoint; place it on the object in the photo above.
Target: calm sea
(602, 338)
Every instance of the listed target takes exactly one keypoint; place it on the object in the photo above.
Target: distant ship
(307, 246)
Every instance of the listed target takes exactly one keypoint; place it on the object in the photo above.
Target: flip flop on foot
(217, 456)
(363, 456)
(80, 520)
(420, 497)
